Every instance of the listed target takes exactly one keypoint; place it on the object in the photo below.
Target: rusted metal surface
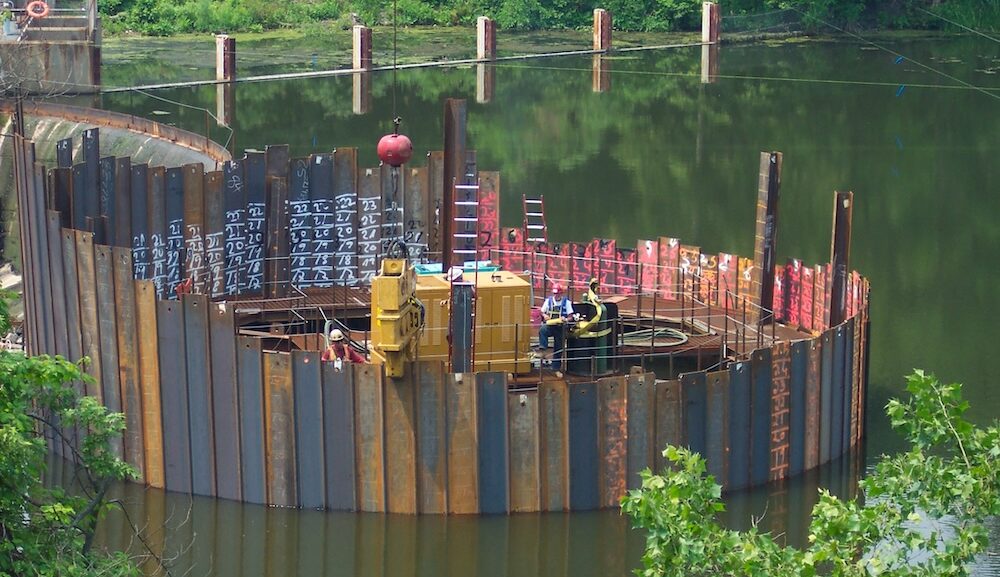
(738, 441)
(89, 328)
(91, 152)
(489, 213)
(225, 400)
(174, 399)
(839, 389)
(840, 258)
(174, 214)
(149, 381)
(323, 214)
(690, 265)
(415, 212)
(106, 199)
(369, 223)
(849, 396)
(369, 437)
(454, 160)
(491, 421)
(432, 452)
(110, 119)
(300, 226)
(128, 359)
(60, 319)
(141, 242)
(400, 443)
(107, 320)
(279, 420)
(345, 231)
(463, 443)
(667, 274)
(199, 381)
(647, 255)
(339, 437)
(250, 369)
(254, 174)
(584, 463)
(781, 388)
(641, 426)
(157, 229)
(605, 251)
(708, 286)
(760, 416)
(194, 226)
(717, 424)
(826, 397)
(435, 199)
(812, 404)
(797, 407)
(553, 428)
(668, 419)
(768, 192)
(612, 439)
(235, 236)
(122, 222)
(728, 282)
(309, 442)
(214, 235)
(525, 491)
(276, 274)
(694, 404)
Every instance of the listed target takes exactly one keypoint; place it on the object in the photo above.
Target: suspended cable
(952, 22)
(904, 57)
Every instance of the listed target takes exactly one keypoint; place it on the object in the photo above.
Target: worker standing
(556, 310)
(338, 348)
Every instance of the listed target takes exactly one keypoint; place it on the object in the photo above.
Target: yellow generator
(502, 324)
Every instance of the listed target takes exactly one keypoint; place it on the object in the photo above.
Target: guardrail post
(602, 30)
(225, 57)
(486, 38)
(362, 53)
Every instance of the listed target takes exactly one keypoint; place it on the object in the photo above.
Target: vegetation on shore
(167, 17)
(50, 530)
(925, 512)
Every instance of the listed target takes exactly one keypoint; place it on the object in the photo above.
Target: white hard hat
(336, 335)
(455, 273)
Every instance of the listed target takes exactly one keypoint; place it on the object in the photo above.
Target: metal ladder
(535, 229)
(465, 239)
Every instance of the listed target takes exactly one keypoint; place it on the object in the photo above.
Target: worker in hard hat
(339, 348)
(591, 295)
(556, 310)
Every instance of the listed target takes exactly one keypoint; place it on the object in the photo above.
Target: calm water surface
(659, 153)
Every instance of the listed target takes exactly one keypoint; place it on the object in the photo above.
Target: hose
(643, 337)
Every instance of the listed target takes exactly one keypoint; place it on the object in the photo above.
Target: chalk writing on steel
(368, 235)
(234, 233)
(346, 244)
(255, 245)
(300, 224)
(781, 371)
(392, 219)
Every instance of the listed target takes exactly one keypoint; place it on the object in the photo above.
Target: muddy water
(661, 153)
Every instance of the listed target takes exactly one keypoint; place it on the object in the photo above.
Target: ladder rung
(534, 214)
(536, 226)
(467, 186)
(537, 239)
(464, 235)
(464, 251)
(465, 219)
(533, 200)
(466, 203)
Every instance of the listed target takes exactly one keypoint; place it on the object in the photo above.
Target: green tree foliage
(923, 517)
(49, 531)
(165, 17)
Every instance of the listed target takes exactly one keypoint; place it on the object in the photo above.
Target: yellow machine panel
(502, 328)
(395, 316)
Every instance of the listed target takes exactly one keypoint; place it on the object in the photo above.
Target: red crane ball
(395, 149)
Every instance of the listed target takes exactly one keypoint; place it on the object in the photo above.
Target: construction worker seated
(556, 310)
(339, 349)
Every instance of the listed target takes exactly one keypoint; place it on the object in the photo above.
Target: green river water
(659, 153)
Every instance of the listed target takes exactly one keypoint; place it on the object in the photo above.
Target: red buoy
(395, 149)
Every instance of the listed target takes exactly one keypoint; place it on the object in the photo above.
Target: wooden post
(485, 79)
(709, 63)
(602, 30)
(601, 80)
(843, 209)
(362, 82)
(711, 21)
(762, 283)
(486, 38)
(225, 57)
(362, 53)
